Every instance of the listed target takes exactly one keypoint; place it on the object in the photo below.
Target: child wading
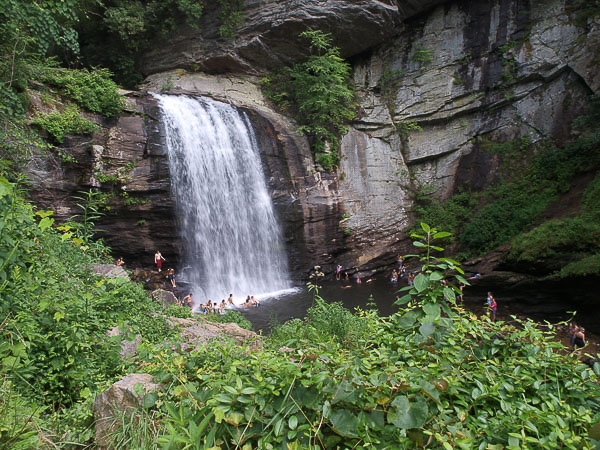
(492, 305)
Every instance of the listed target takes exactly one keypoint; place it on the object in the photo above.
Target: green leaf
(425, 227)
(278, 427)
(435, 276)
(421, 282)
(432, 311)
(344, 422)
(45, 223)
(149, 400)
(427, 329)
(403, 300)
(449, 294)
(406, 414)
(293, 422)
(419, 244)
(441, 234)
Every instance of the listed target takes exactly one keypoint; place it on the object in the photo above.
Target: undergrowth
(531, 177)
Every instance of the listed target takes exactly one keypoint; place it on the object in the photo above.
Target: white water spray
(232, 242)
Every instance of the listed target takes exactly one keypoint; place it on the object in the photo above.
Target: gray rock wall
(462, 73)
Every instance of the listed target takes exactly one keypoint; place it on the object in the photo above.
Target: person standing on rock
(158, 259)
(338, 272)
(171, 277)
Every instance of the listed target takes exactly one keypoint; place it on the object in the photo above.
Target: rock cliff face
(463, 73)
(434, 79)
(127, 162)
(268, 37)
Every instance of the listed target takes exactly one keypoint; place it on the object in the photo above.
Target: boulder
(165, 298)
(109, 271)
(119, 397)
(196, 332)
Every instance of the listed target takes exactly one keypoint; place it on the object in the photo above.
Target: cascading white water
(231, 237)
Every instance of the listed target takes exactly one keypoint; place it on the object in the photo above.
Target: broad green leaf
(435, 276)
(403, 300)
(293, 422)
(449, 294)
(427, 329)
(233, 418)
(149, 400)
(425, 227)
(441, 234)
(45, 223)
(406, 414)
(421, 282)
(432, 310)
(344, 422)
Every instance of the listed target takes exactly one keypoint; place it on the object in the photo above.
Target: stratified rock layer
(269, 38)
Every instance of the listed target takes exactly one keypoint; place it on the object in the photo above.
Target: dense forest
(432, 375)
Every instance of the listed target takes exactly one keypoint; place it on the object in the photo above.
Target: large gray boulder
(124, 394)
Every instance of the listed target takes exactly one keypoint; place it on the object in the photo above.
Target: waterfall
(231, 237)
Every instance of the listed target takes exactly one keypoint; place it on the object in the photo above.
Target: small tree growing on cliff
(321, 95)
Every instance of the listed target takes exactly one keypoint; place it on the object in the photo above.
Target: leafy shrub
(319, 93)
(60, 310)
(61, 123)
(324, 322)
(93, 90)
(559, 239)
(589, 265)
(449, 215)
(182, 312)
(514, 208)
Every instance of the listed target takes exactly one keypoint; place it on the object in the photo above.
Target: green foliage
(570, 244)
(428, 376)
(230, 316)
(325, 322)
(532, 177)
(319, 93)
(93, 90)
(232, 17)
(422, 55)
(183, 312)
(448, 215)
(404, 128)
(589, 265)
(18, 427)
(513, 207)
(556, 239)
(121, 31)
(30, 31)
(18, 143)
(135, 428)
(59, 310)
(58, 124)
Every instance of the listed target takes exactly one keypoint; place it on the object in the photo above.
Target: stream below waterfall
(295, 304)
